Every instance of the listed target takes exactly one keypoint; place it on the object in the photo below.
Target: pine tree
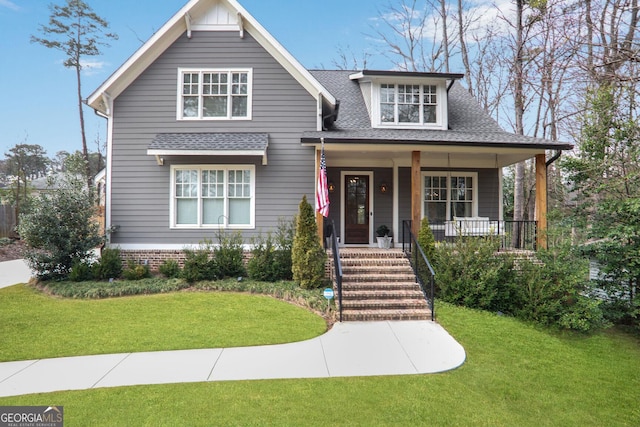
(77, 31)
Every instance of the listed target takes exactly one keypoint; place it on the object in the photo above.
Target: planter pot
(384, 242)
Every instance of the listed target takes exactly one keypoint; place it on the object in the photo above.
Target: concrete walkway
(348, 349)
(12, 272)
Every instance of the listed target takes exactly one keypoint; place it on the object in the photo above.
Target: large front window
(213, 196)
(214, 94)
(408, 104)
(449, 195)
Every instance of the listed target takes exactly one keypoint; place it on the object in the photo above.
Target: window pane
(408, 113)
(239, 106)
(239, 211)
(215, 106)
(408, 103)
(213, 211)
(186, 211)
(190, 106)
(430, 114)
(212, 183)
(461, 209)
(436, 211)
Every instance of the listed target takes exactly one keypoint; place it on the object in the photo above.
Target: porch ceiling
(431, 156)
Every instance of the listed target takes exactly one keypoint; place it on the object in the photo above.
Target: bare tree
(348, 60)
(77, 31)
(412, 37)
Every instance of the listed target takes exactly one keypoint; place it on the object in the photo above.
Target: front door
(356, 224)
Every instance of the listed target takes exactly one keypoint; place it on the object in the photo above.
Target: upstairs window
(214, 94)
(408, 105)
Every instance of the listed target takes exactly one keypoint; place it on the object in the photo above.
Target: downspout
(555, 157)
(450, 85)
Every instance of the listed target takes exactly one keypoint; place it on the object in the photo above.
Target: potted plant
(384, 240)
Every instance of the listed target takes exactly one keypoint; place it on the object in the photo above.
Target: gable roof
(197, 14)
(469, 124)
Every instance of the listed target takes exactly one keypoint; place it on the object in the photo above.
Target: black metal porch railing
(337, 265)
(425, 275)
(511, 234)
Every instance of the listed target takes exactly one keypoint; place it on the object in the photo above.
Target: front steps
(379, 284)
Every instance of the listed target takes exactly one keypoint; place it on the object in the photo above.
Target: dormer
(406, 100)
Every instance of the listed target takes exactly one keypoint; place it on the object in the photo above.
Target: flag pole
(319, 217)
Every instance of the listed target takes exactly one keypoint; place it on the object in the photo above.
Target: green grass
(515, 375)
(34, 325)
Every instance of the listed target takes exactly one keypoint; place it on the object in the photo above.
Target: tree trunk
(463, 49)
(518, 97)
(445, 35)
(85, 151)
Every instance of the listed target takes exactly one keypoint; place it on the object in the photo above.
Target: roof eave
(307, 140)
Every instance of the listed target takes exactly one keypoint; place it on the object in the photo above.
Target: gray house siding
(488, 192)
(140, 204)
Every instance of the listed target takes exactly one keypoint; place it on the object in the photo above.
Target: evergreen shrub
(308, 256)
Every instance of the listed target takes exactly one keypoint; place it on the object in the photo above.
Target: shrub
(472, 274)
(170, 269)
(263, 264)
(556, 291)
(59, 229)
(135, 271)
(198, 264)
(426, 239)
(284, 241)
(80, 271)
(308, 257)
(229, 255)
(109, 266)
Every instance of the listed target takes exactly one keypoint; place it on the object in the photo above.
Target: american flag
(322, 191)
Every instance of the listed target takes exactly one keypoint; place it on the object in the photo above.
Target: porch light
(331, 187)
(383, 188)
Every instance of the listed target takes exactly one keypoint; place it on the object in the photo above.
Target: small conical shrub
(426, 239)
(308, 256)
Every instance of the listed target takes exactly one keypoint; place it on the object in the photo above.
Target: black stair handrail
(337, 264)
(417, 258)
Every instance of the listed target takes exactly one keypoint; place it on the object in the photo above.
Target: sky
(38, 94)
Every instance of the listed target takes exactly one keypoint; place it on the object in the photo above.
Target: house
(213, 125)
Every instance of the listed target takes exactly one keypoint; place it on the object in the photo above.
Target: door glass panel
(357, 209)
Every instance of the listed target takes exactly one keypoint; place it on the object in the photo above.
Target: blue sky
(38, 103)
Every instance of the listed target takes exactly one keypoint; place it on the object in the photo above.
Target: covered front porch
(459, 188)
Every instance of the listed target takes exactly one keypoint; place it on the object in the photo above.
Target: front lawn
(515, 375)
(34, 325)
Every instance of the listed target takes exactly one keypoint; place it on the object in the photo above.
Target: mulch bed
(12, 251)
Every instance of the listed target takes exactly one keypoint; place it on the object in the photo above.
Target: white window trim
(225, 224)
(441, 107)
(449, 174)
(180, 105)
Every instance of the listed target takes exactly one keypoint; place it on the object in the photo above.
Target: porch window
(449, 195)
(212, 196)
(214, 94)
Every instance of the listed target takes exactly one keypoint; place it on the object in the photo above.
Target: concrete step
(378, 277)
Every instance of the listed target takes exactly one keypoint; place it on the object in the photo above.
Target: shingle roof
(210, 142)
(469, 124)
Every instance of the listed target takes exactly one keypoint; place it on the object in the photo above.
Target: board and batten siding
(281, 107)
